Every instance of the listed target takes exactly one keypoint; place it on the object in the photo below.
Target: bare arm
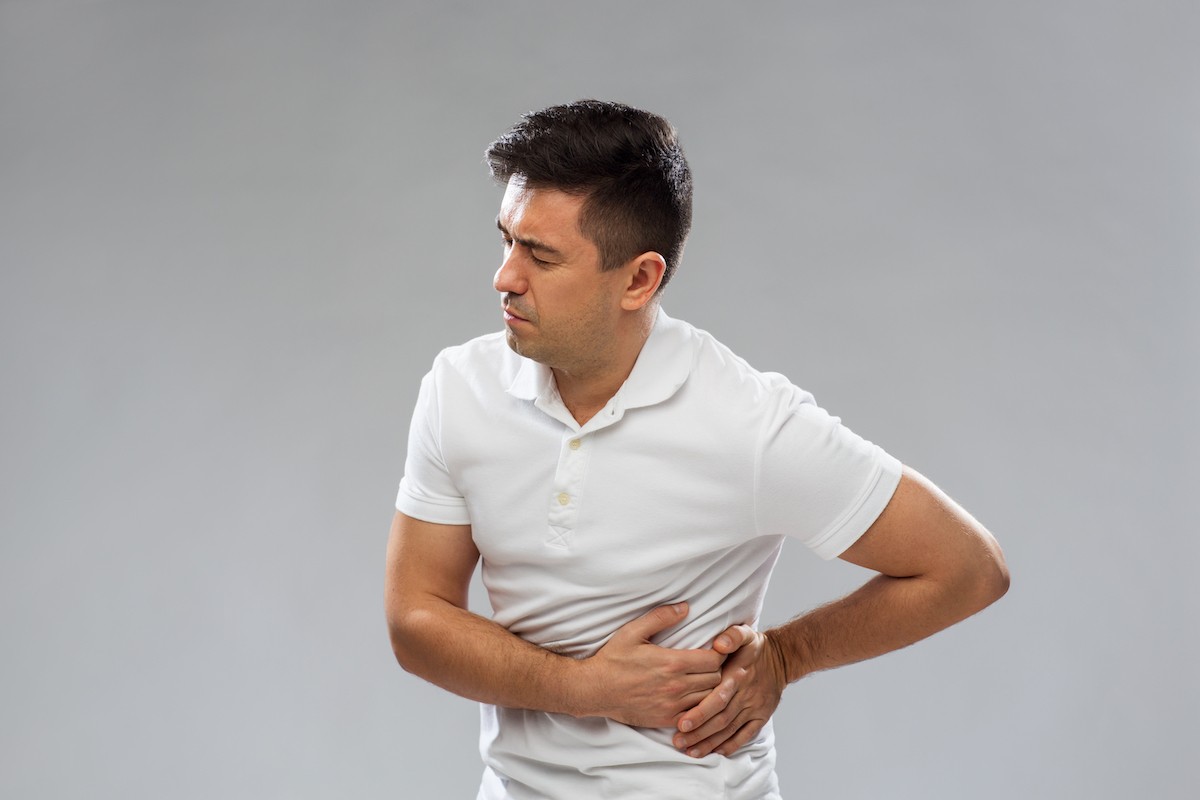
(429, 569)
(936, 566)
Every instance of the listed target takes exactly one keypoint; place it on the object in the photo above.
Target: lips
(510, 314)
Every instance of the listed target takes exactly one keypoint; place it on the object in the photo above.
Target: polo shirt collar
(662, 366)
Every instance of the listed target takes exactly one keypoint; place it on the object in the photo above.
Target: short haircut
(628, 165)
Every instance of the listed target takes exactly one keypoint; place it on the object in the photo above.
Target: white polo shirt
(681, 488)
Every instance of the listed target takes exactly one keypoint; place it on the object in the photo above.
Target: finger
(721, 721)
(713, 704)
(729, 739)
(733, 638)
(744, 736)
(692, 689)
(700, 746)
(698, 662)
(688, 662)
(684, 704)
(689, 701)
(727, 720)
(653, 621)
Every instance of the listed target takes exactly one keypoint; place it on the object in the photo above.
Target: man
(628, 483)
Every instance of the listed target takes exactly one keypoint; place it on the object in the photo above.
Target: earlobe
(645, 274)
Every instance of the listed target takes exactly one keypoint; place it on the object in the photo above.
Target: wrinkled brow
(531, 243)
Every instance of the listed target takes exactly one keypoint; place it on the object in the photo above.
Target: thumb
(653, 621)
(733, 638)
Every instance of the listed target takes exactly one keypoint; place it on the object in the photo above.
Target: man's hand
(436, 636)
(633, 681)
(936, 566)
(752, 682)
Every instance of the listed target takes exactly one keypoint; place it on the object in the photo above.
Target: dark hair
(628, 164)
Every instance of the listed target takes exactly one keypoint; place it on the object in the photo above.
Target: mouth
(510, 316)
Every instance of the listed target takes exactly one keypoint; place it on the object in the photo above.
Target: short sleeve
(427, 491)
(816, 479)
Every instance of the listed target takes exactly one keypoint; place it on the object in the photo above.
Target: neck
(585, 391)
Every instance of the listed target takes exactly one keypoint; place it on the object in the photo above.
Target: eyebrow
(532, 244)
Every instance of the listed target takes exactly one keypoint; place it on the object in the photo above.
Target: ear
(644, 276)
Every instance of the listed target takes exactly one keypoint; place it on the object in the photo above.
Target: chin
(515, 344)
(523, 348)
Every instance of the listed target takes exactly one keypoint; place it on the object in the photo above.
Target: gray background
(234, 235)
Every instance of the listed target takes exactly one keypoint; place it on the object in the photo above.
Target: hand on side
(718, 699)
(752, 682)
(634, 681)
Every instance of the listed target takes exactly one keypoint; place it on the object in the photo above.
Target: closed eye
(508, 242)
(529, 245)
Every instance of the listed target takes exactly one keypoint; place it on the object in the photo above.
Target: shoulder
(721, 373)
(482, 367)
(489, 353)
(481, 349)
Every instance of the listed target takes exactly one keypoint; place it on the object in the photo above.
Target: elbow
(399, 650)
(403, 632)
(998, 582)
(977, 580)
(992, 577)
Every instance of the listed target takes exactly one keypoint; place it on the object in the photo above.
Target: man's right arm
(434, 636)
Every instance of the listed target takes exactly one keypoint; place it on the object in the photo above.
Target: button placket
(568, 486)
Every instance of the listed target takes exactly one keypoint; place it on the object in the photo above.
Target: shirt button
(575, 443)
(563, 498)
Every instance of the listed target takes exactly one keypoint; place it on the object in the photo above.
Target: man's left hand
(752, 682)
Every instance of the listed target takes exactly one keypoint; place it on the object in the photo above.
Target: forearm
(883, 615)
(937, 565)
(629, 679)
(478, 659)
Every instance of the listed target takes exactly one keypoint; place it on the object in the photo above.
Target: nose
(510, 278)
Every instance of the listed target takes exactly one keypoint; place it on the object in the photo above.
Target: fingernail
(724, 641)
(686, 725)
(694, 752)
(680, 607)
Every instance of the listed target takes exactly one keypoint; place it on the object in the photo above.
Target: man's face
(560, 308)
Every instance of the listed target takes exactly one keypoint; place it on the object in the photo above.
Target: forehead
(539, 212)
